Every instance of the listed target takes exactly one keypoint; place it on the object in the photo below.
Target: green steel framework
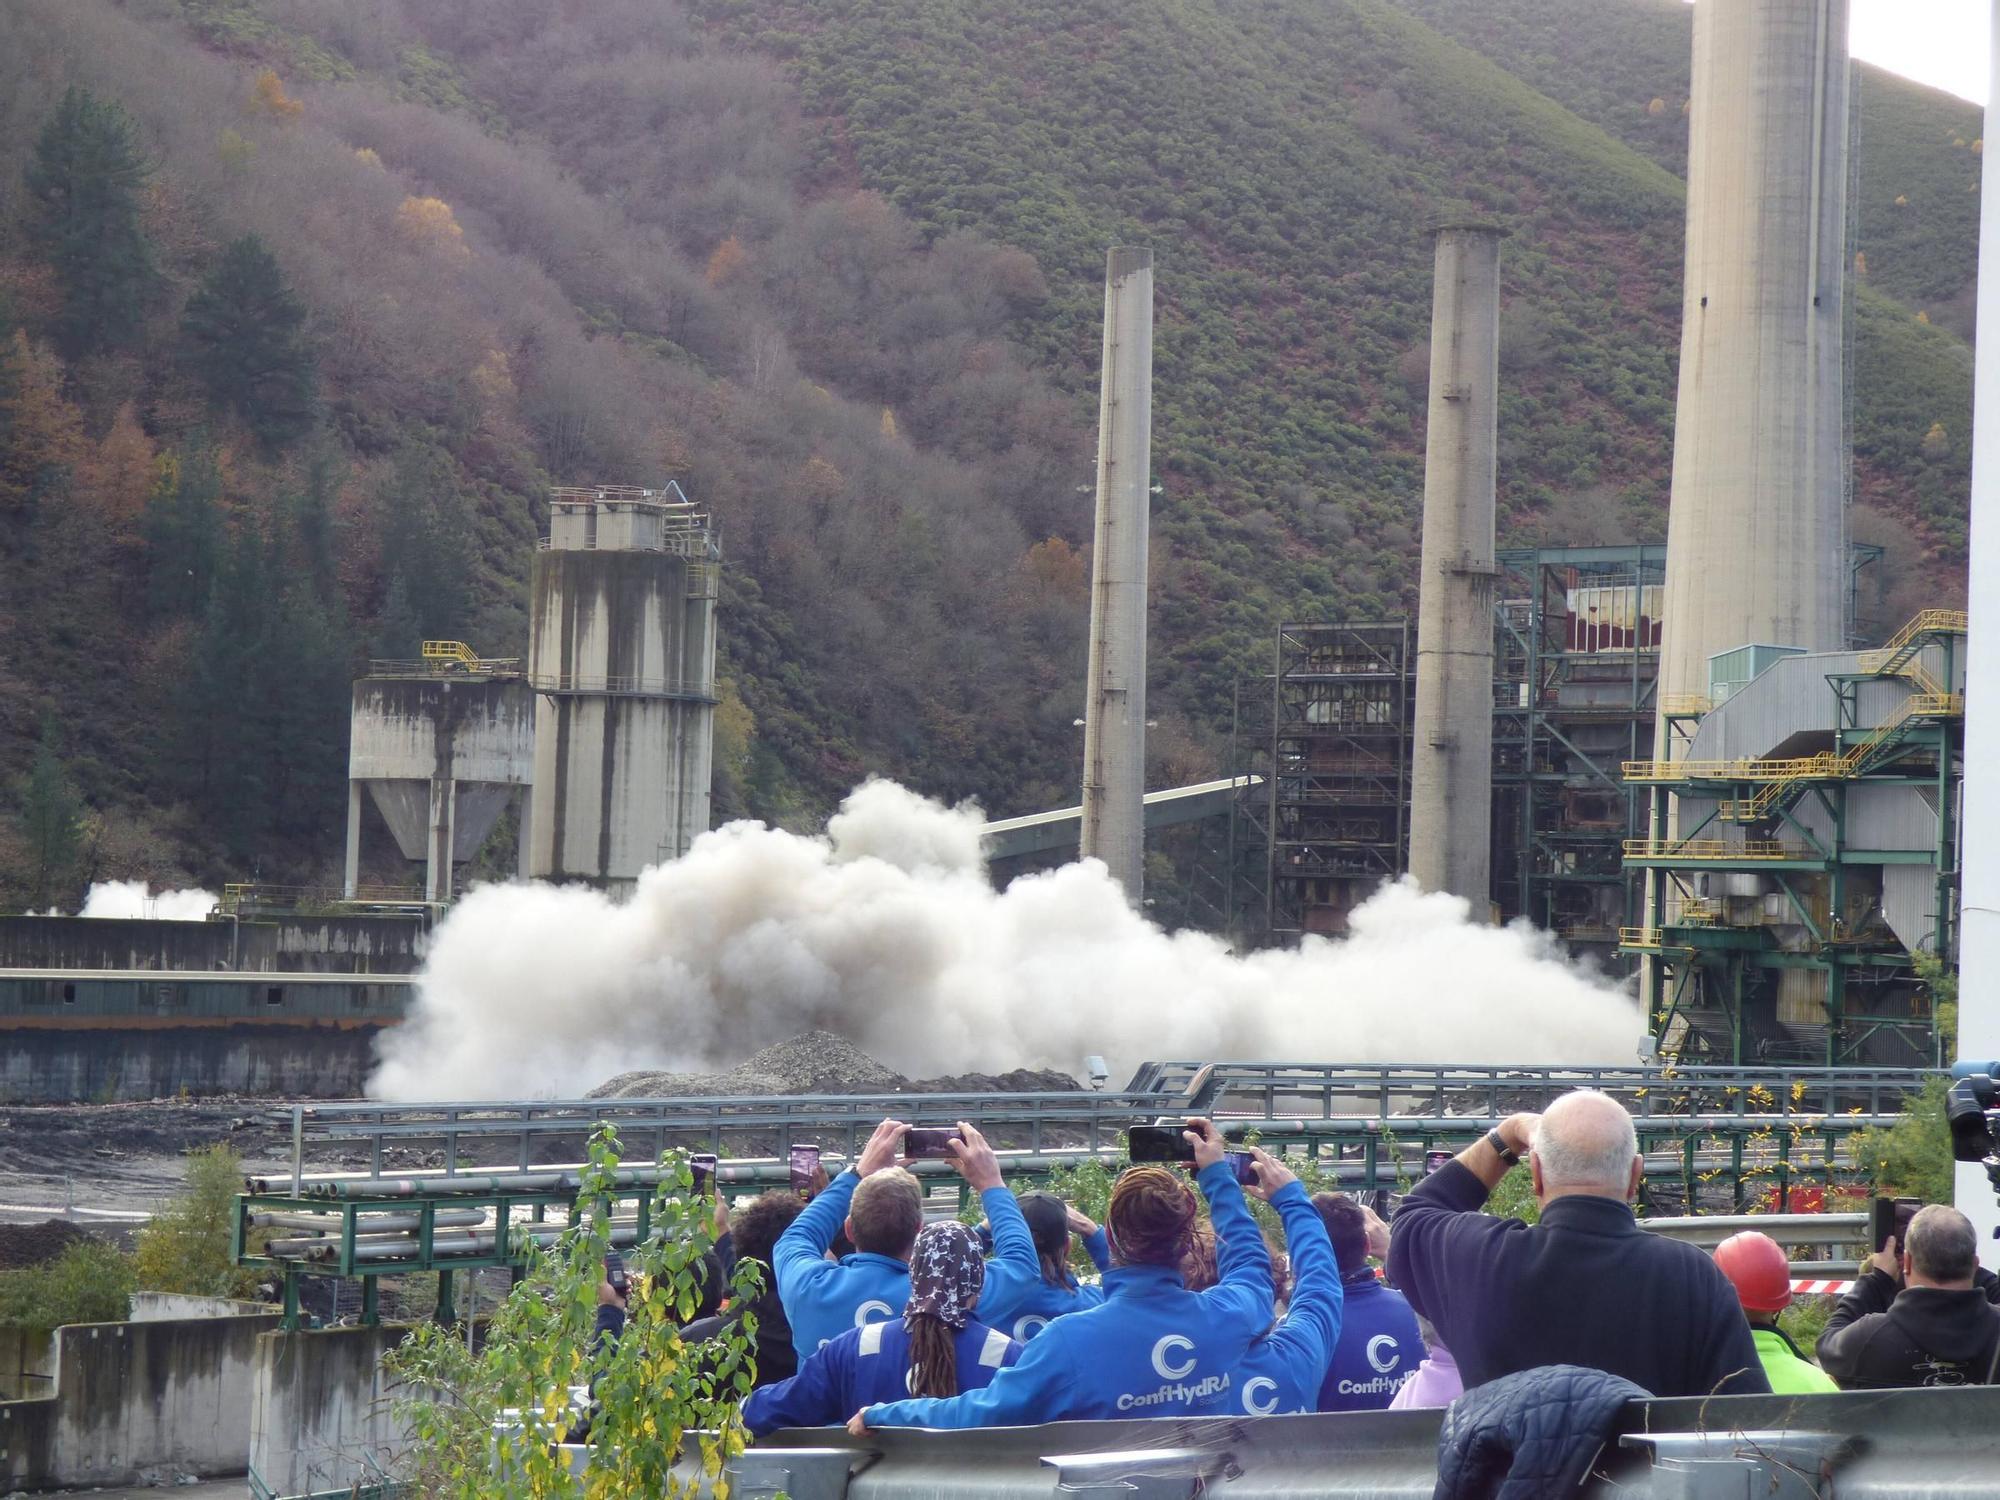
(1704, 974)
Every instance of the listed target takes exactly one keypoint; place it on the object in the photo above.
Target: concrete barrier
(320, 1415)
(131, 1403)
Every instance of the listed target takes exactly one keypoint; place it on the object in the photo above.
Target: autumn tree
(41, 433)
(243, 329)
(83, 187)
(268, 97)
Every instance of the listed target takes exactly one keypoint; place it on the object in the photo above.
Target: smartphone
(929, 1145)
(804, 1163)
(1890, 1220)
(1243, 1164)
(1383, 1202)
(703, 1164)
(1435, 1159)
(614, 1272)
(1159, 1143)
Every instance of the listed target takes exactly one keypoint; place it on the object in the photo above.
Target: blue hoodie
(1282, 1371)
(823, 1298)
(1379, 1347)
(863, 1366)
(1018, 1300)
(1152, 1348)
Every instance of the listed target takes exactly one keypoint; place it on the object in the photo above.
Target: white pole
(1979, 896)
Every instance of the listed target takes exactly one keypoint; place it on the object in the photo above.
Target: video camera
(1972, 1108)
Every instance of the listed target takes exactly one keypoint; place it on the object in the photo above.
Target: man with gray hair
(1586, 1285)
(1916, 1318)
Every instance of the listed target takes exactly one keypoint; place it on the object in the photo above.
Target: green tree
(51, 818)
(485, 1423)
(185, 1246)
(244, 333)
(1911, 1158)
(427, 533)
(83, 186)
(90, 1282)
(183, 529)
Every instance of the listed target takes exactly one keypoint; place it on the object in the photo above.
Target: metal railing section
(694, 690)
(1715, 850)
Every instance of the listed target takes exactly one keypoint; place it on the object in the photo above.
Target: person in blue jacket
(1282, 1372)
(1021, 1298)
(1152, 1348)
(1380, 1346)
(937, 1349)
(882, 1208)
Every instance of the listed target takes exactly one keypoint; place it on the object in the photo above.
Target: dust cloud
(129, 898)
(888, 932)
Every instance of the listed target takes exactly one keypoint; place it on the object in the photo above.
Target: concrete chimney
(1114, 726)
(1757, 536)
(1451, 760)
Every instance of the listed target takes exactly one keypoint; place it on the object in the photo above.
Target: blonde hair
(887, 1212)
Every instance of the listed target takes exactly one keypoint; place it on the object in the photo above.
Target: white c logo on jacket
(1172, 1371)
(1251, 1392)
(861, 1319)
(1384, 1366)
(1027, 1327)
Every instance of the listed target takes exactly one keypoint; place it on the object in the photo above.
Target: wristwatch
(1501, 1149)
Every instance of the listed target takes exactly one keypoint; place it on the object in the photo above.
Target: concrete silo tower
(1757, 535)
(622, 662)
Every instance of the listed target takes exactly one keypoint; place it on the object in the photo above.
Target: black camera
(1972, 1108)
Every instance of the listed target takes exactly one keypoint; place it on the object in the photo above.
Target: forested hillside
(305, 304)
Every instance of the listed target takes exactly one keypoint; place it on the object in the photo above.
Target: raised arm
(807, 1238)
(1440, 1223)
(1313, 1320)
(1244, 1289)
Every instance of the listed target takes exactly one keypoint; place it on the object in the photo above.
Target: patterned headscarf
(946, 1273)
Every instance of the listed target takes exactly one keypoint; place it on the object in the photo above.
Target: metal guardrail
(1879, 1445)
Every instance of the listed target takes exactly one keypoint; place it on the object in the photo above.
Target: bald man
(1586, 1285)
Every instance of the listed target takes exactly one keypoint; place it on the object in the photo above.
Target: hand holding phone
(1159, 1143)
(930, 1145)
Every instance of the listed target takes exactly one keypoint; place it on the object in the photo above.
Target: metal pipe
(1451, 765)
(1114, 726)
(368, 1223)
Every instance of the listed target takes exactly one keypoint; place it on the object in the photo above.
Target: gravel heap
(33, 1244)
(819, 1062)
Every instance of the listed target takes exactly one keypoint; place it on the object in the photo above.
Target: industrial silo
(440, 747)
(622, 662)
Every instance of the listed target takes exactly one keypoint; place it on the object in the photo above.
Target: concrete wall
(27, 1363)
(321, 1407)
(46, 1065)
(164, 1307)
(333, 945)
(135, 1403)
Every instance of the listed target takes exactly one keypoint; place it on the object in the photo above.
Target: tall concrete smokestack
(1451, 762)
(1114, 726)
(1757, 537)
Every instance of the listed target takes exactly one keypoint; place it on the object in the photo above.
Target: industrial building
(1815, 853)
(621, 658)
(439, 747)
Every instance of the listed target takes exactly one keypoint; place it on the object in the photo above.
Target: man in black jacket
(753, 1232)
(1939, 1329)
(1585, 1286)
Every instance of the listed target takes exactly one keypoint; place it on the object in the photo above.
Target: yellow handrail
(1712, 849)
(450, 651)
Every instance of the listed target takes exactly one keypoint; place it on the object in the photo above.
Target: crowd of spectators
(873, 1319)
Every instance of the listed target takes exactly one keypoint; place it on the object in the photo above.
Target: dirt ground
(107, 1166)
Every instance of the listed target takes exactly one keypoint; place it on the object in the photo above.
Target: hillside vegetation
(386, 271)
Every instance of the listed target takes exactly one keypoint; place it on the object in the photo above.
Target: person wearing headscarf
(1152, 1348)
(937, 1349)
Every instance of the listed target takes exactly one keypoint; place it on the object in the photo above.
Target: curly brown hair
(1152, 1217)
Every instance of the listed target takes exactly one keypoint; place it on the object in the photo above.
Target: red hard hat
(1755, 1265)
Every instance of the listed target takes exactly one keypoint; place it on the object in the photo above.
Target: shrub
(90, 1282)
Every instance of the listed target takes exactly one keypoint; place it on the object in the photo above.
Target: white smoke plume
(888, 932)
(129, 898)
